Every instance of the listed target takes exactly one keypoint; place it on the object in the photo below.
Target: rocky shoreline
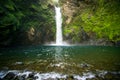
(31, 75)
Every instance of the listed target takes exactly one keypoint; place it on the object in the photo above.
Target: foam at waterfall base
(54, 44)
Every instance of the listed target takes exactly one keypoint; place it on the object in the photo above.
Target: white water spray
(59, 38)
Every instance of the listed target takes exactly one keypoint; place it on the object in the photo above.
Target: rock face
(9, 76)
(31, 34)
(69, 9)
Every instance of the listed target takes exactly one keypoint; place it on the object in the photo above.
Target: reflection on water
(58, 56)
(81, 62)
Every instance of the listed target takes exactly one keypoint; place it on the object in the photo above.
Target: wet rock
(22, 77)
(29, 79)
(61, 79)
(31, 75)
(108, 76)
(9, 76)
(84, 65)
(118, 43)
(51, 79)
(36, 77)
(70, 77)
(17, 78)
(31, 34)
(95, 78)
(111, 76)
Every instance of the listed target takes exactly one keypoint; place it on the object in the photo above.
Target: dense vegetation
(32, 21)
(26, 21)
(99, 18)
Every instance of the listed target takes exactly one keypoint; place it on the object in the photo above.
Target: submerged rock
(95, 78)
(31, 76)
(18, 63)
(9, 76)
(85, 65)
(112, 76)
(70, 77)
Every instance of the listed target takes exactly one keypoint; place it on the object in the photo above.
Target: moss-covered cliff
(97, 20)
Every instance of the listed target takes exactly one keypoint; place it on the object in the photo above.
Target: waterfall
(59, 38)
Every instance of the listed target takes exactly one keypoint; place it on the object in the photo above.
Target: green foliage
(98, 16)
(18, 16)
(101, 17)
(105, 21)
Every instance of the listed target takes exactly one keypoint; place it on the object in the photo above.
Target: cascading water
(59, 38)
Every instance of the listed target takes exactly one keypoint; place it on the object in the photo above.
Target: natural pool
(60, 63)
